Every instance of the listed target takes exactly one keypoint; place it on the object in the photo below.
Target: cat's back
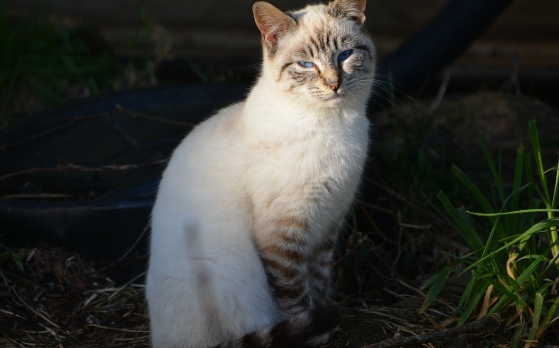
(199, 174)
(211, 137)
(207, 148)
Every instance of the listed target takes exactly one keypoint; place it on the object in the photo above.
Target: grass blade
(492, 167)
(516, 186)
(525, 211)
(467, 293)
(436, 286)
(538, 306)
(464, 228)
(539, 227)
(464, 179)
(479, 294)
(538, 158)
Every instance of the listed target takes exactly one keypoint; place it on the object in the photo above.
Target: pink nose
(334, 84)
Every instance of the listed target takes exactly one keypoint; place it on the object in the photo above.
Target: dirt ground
(52, 298)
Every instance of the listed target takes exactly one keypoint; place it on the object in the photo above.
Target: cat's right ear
(352, 9)
(273, 23)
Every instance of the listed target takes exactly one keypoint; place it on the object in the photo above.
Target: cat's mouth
(334, 99)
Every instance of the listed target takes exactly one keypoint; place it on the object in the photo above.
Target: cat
(249, 207)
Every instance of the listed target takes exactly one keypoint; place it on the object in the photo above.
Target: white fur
(268, 156)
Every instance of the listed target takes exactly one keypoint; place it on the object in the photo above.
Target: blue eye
(344, 55)
(305, 64)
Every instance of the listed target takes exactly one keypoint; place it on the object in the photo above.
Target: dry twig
(486, 323)
(83, 168)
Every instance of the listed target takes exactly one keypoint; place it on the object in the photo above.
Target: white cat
(248, 210)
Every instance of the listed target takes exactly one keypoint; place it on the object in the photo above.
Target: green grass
(515, 247)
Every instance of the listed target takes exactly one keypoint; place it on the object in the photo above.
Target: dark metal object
(104, 211)
(441, 41)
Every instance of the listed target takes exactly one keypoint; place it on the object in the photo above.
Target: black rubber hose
(447, 36)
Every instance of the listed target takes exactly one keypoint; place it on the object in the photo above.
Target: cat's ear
(352, 9)
(272, 22)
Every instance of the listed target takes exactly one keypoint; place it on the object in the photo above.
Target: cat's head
(320, 55)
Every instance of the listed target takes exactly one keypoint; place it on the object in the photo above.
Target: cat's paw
(319, 340)
(325, 321)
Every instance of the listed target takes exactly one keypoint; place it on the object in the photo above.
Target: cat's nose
(334, 84)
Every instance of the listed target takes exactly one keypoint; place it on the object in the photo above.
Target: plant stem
(549, 202)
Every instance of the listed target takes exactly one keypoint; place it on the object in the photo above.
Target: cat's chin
(334, 100)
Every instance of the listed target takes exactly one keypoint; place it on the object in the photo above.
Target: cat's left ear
(352, 9)
(272, 22)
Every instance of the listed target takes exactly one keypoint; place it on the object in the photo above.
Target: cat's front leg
(320, 266)
(283, 249)
(320, 269)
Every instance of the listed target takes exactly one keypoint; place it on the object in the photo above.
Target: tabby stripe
(281, 270)
(282, 69)
(289, 292)
(319, 272)
(318, 35)
(327, 245)
(324, 260)
(320, 280)
(323, 257)
(293, 222)
(300, 79)
(313, 46)
(291, 298)
(293, 306)
(291, 239)
(319, 289)
(323, 45)
(327, 37)
(294, 300)
(345, 40)
(294, 255)
(321, 264)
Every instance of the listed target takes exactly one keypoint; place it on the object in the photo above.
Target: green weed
(514, 242)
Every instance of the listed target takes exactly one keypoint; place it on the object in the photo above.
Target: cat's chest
(308, 151)
(313, 177)
(315, 158)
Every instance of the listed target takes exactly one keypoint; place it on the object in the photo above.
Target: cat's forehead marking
(325, 28)
(324, 42)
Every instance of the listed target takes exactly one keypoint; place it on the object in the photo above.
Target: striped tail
(296, 332)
